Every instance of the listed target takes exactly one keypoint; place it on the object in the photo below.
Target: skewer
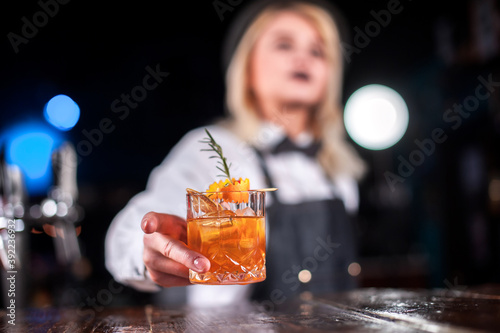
(270, 189)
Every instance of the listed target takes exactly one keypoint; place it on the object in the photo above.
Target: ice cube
(227, 213)
(218, 222)
(245, 212)
(220, 213)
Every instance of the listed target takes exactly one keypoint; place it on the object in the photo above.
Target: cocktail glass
(229, 229)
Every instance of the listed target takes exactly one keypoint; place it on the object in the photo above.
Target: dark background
(439, 228)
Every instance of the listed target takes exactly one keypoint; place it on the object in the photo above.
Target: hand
(166, 256)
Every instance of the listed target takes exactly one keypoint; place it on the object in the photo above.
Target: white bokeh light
(49, 207)
(376, 117)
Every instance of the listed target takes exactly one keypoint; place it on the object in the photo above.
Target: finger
(154, 260)
(177, 251)
(35, 231)
(49, 230)
(165, 224)
(167, 280)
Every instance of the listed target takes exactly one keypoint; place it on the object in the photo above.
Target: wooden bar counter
(362, 310)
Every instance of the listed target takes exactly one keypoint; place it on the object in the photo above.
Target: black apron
(315, 238)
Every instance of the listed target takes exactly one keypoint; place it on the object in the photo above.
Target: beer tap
(61, 206)
(4, 211)
(12, 202)
(13, 242)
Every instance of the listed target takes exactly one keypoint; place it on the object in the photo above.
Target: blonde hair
(336, 156)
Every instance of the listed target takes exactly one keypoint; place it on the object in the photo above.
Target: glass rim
(223, 192)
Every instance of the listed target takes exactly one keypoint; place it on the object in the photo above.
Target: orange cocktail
(230, 233)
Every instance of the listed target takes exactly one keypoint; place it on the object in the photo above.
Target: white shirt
(298, 178)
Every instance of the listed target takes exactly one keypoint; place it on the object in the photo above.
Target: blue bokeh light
(62, 112)
(30, 146)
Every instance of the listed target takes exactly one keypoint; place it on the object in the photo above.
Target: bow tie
(288, 145)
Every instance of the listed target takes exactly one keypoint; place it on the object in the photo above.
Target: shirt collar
(269, 135)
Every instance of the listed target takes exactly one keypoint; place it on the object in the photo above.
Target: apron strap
(265, 171)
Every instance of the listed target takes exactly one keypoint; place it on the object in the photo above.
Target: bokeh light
(376, 117)
(62, 112)
(29, 146)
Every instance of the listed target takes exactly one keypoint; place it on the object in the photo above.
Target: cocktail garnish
(234, 191)
(214, 146)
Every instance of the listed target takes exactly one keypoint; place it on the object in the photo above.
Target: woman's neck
(294, 119)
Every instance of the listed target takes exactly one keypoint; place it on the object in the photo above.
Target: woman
(284, 130)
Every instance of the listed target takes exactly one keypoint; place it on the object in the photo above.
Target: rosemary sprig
(214, 146)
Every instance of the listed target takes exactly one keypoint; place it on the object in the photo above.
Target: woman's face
(288, 63)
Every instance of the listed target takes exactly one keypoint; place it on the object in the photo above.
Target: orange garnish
(230, 191)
